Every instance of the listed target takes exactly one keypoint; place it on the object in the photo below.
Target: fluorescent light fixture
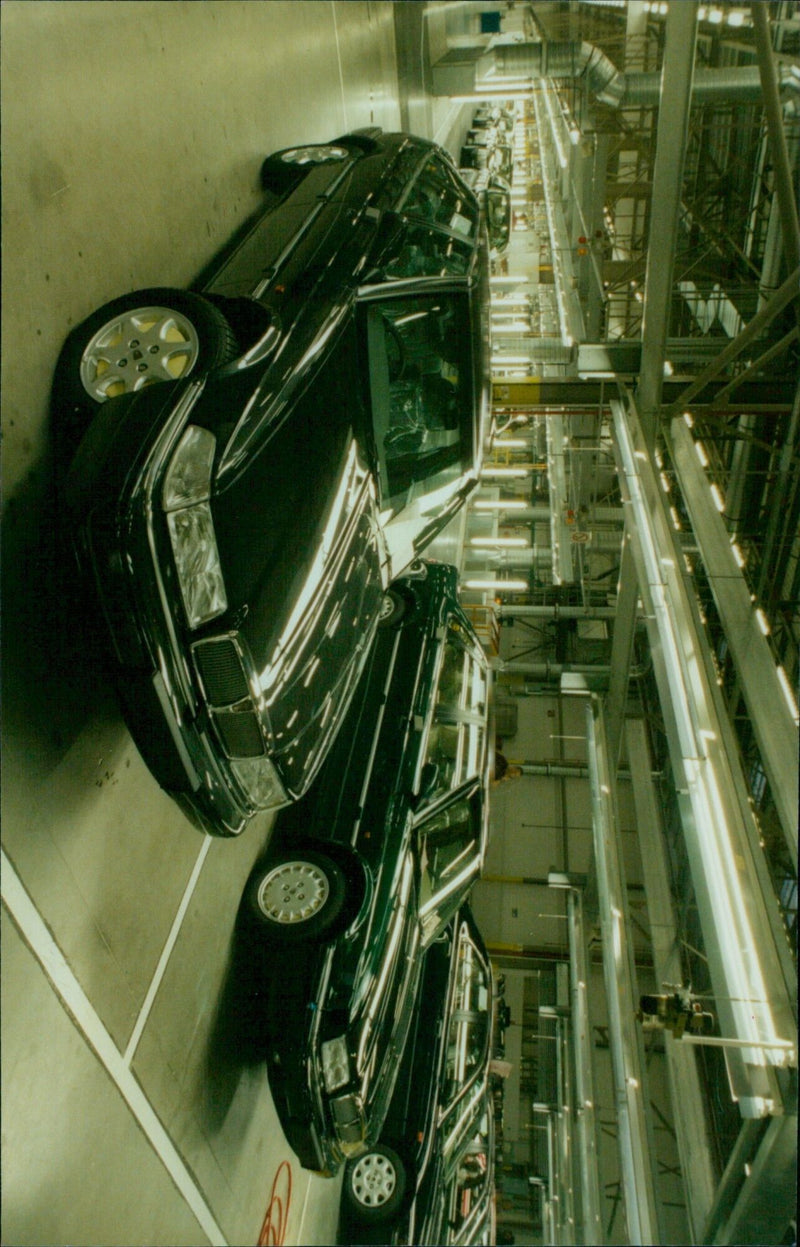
(719, 501)
(788, 694)
(762, 621)
(498, 586)
(688, 419)
(504, 472)
(489, 543)
(500, 504)
(737, 554)
(701, 453)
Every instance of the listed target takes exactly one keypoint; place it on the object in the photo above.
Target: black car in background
(365, 872)
(497, 158)
(495, 193)
(439, 1096)
(260, 456)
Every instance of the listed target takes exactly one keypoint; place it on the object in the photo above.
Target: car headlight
(335, 1063)
(188, 478)
(260, 781)
(187, 488)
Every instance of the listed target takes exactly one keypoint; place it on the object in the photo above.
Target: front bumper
(324, 1130)
(111, 490)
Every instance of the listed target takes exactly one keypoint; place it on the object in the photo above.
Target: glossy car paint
(306, 546)
(365, 803)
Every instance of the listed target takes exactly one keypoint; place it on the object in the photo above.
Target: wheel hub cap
(138, 348)
(293, 892)
(374, 1180)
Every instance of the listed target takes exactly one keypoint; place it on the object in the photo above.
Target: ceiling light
(498, 586)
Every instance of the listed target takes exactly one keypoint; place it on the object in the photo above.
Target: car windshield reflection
(421, 391)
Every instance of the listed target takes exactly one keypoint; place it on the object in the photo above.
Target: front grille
(221, 671)
(240, 733)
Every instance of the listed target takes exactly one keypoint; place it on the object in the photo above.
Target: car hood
(302, 558)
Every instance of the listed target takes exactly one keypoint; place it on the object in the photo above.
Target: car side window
(420, 389)
(456, 733)
(469, 1022)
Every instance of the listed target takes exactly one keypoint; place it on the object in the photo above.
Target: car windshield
(420, 376)
(456, 736)
(469, 1022)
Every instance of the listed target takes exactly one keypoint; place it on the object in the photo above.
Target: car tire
(394, 608)
(284, 169)
(375, 1185)
(176, 333)
(298, 896)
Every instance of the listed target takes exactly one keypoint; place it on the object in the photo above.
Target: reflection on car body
(364, 873)
(439, 1099)
(320, 416)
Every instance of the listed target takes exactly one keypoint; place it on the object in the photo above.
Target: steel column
(783, 296)
(777, 138)
(671, 139)
(626, 1056)
(773, 722)
(691, 1129)
(591, 1223)
(748, 955)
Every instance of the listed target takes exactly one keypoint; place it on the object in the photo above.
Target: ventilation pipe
(618, 90)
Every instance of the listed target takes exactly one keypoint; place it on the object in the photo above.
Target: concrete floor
(131, 143)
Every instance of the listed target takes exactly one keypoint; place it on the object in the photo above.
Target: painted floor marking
(38, 938)
(166, 953)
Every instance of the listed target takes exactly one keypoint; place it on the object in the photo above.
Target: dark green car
(365, 872)
(438, 1105)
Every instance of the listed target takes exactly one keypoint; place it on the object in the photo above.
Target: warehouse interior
(630, 561)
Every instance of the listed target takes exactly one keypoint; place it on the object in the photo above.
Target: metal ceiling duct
(577, 59)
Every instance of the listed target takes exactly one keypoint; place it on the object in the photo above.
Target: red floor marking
(273, 1231)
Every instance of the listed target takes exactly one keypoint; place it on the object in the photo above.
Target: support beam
(784, 188)
(772, 719)
(626, 1054)
(621, 651)
(782, 297)
(686, 1091)
(673, 128)
(591, 1223)
(748, 955)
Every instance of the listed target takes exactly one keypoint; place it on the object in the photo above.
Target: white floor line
(33, 930)
(304, 1208)
(339, 60)
(144, 1012)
